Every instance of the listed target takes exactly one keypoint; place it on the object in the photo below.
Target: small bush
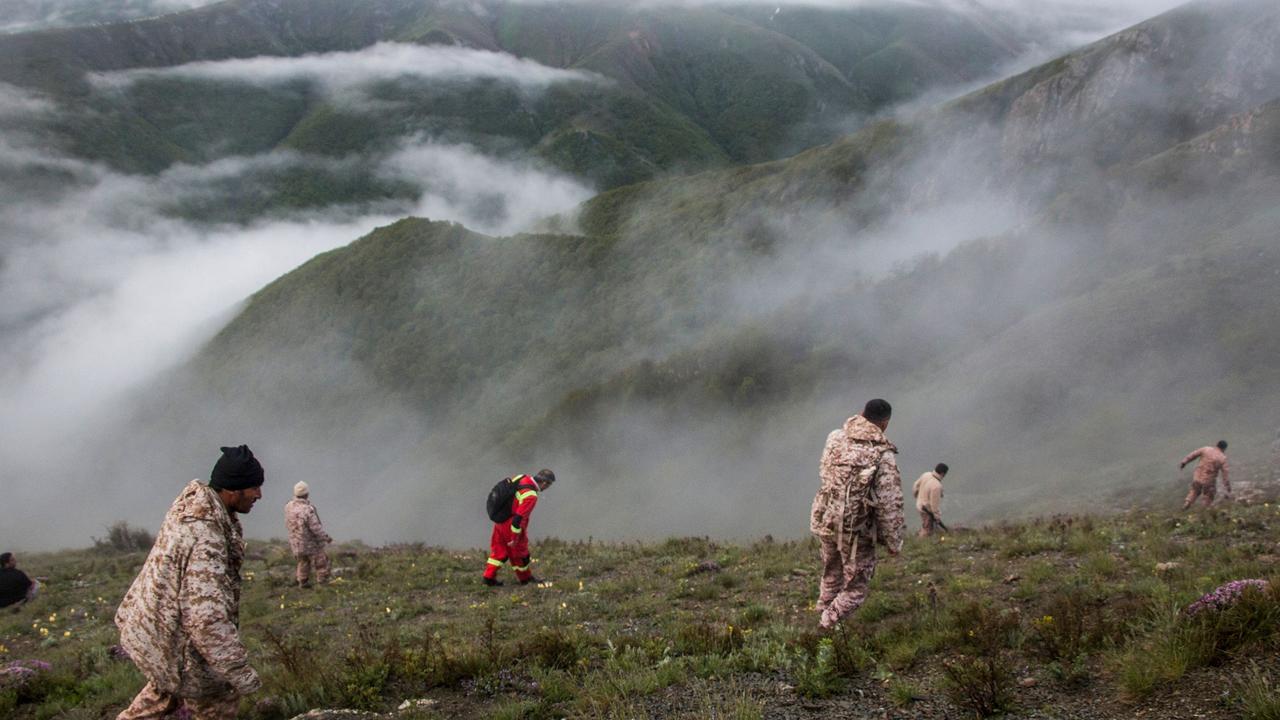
(1063, 629)
(122, 538)
(850, 652)
(982, 629)
(815, 675)
(982, 685)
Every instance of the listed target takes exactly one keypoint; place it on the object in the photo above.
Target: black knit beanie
(237, 469)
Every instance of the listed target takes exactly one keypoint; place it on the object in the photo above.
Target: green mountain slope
(725, 318)
(691, 88)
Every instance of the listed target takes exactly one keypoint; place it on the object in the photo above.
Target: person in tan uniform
(927, 491)
(307, 537)
(1204, 483)
(859, 504)
(179, 621)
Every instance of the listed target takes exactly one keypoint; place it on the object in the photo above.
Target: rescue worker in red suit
(510, 540)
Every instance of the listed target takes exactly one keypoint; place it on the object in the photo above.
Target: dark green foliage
(688, 88)
(815, 673)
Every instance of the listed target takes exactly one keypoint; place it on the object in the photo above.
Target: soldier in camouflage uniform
(1275, 457)
(307, 537)
(858, 505)
(1204, 483)
(179, 620)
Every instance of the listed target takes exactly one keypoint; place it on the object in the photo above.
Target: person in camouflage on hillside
(1204, 483)
(1275, 457)
(179, 621)
(307, 537)
(858, 505)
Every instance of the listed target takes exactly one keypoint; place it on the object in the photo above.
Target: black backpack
(498, 504)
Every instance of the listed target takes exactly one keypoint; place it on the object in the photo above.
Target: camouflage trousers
(1204, 491)
(845, 579)
(926, 524)
(151, 703)
(306, 563)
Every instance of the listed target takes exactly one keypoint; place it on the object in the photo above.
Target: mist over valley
(405, 248)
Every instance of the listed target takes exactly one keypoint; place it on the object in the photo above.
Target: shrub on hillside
(122, 538)
(1073, 622)
(982, 685)
(1182, 642)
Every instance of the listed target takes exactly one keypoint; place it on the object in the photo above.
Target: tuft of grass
(1257, 696)
(1175, 644)
(904, 692)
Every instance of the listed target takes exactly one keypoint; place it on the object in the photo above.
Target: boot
(528, 580)
(492, 582)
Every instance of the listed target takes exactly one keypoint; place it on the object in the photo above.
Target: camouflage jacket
(861, 491)
(1212, 461)
(306, 534)
(179, 620)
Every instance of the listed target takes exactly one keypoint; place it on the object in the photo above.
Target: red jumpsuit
(510, 540)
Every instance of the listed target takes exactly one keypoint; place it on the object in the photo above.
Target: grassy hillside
(1069, 616)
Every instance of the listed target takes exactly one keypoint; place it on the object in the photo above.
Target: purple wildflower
(20, 672)
(1225, 596)
(16, 674)
(117, 652)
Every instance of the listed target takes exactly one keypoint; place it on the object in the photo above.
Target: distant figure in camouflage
(858, 505)
(179, 621)
(1275, 457)
(1204, 483)
(307, 537)
(927, 491)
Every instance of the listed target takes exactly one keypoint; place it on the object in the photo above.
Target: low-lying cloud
(102, 290)
(29, 15)
(341, 72)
